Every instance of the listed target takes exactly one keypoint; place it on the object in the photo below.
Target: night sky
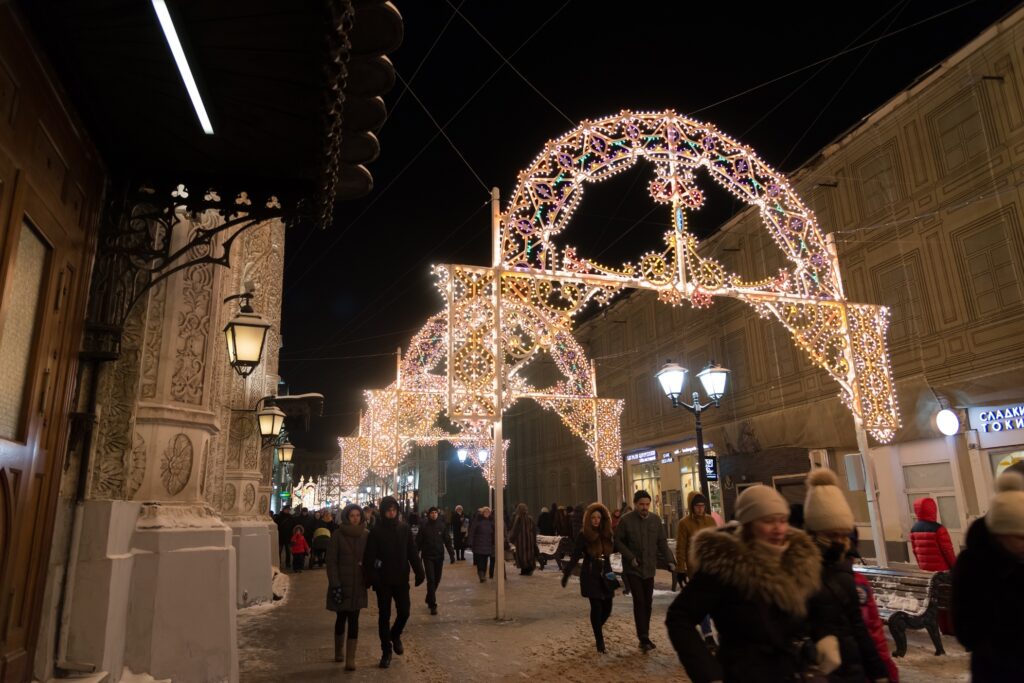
(354, 293)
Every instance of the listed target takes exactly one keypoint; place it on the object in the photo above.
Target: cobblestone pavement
(547, 635)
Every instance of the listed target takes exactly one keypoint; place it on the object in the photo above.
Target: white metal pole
(498, 450)
(597, 473)
(871, 489)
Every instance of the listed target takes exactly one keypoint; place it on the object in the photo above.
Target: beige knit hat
(1006, 512)
(825, 507)
(759, 501)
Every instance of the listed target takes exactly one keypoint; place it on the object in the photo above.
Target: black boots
(350, 654)
(339, 642)
(599, 639)
(396, 643)
(385, 657)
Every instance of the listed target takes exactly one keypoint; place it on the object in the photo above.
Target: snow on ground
(546, 636)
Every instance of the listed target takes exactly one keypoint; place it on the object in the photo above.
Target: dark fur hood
(599, 541)
(757, 572)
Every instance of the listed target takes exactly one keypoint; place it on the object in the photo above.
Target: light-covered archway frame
(495, 329)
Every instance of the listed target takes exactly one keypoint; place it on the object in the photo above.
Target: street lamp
(713, 378)
(463, 454)
(483, 454)
(245, 334)
(285, 449)
(271, 419)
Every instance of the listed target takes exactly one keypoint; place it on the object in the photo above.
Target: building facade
(923, 200)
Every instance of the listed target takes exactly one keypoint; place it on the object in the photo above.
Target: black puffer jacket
(988, 601)
(391, 551)
(433, 540)
(758, 600)
(835, 611)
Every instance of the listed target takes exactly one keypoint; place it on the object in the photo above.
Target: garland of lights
(498, 320)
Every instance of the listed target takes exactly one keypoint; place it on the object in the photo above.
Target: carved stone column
(245, 497)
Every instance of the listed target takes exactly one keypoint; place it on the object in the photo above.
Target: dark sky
(362, 288)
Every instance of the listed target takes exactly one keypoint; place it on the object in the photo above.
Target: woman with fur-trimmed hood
(754, 579)
(594, 545)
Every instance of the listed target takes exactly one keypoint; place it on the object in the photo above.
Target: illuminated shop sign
(711, 469)
(666, 458)
(998, 425)
(642, 456)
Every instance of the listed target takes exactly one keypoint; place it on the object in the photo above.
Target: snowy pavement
(547, 635)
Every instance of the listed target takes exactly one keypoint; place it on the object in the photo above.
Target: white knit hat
(759, 501)
(1006, 512)
(825, 507)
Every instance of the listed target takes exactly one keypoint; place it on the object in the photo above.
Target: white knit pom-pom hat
(825, 507)
(1006, 512)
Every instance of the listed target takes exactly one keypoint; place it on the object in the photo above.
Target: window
(990, 273)
(896, 283)
(933, 480)
(780, 356)
(18, 334)
(960, 131)
(877, 182)
(735, 348)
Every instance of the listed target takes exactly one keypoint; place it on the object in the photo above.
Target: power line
(510, 65)
(831, 57)
(440, 130)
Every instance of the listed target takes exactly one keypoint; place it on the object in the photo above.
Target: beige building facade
(923, 199)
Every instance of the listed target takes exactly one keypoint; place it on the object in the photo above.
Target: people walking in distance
(616, 516)
(696, 519)
(432, 541)
(481, 542)
(576, 521)
(370, 515)
(932, 546)
(754, 578)
(460, 532)
(346, 583)
(321, 541)
(285, 524)
(563, 524)
(545, 523)
(299, 548)
(595, 545)
(988, 586)
(523, 536)
(640, 537)
(847, 651)
(390, 553)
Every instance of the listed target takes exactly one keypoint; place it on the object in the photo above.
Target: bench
(909, 599)
(557, 548)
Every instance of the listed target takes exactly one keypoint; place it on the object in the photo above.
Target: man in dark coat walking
(988, 586)
(390, 553)
(460, 530)
(640, 537)
(433, 540)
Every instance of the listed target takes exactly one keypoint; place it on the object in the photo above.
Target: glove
(565, 580)
(829, 658)
(419, 579)
(336, 595)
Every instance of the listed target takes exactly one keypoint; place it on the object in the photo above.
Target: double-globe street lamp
(713, 378)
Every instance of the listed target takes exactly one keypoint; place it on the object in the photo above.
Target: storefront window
(647, 477)
(1004, 461)
(934, 480)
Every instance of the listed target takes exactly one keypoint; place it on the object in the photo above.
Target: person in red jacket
(930, 540)
(299, 548)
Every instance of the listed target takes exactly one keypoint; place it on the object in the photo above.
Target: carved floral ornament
(498, 320)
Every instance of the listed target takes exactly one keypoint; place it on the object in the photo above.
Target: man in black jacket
(432, 540)
(390, 552)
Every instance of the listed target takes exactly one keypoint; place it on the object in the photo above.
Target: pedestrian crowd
(770, 596)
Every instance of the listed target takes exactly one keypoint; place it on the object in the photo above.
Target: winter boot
(385, 657)
(350, 654)
(599, 639)
(482, 576)
(396, 643)
(339, 655)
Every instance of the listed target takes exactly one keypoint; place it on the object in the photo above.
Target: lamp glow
(271, 420)
(178, 52)
(672, 376)
(463, 454)
(714, 377)
(947, 422)
(483, 455)
(245, 335)
(285, 450)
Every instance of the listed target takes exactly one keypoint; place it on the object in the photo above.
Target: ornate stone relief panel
(176, 464)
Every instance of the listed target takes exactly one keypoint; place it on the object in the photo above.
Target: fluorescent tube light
(164, 15)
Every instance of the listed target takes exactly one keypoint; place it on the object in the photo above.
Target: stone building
(134, 484)
(923, 200)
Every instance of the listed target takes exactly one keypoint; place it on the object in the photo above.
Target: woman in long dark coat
(524, 537)
(594, 545)
(481, 542)
(346, 583)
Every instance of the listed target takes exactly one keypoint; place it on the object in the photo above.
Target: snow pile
(279, 588)
(127, 676)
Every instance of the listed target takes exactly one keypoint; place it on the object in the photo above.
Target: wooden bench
(909, 599)
(557, 548)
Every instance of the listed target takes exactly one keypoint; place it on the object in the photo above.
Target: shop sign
(642, 456)
(711, 469)
(998, 425)
(666, 458)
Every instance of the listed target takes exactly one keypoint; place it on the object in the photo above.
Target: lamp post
(713, 378)
(245, 335)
